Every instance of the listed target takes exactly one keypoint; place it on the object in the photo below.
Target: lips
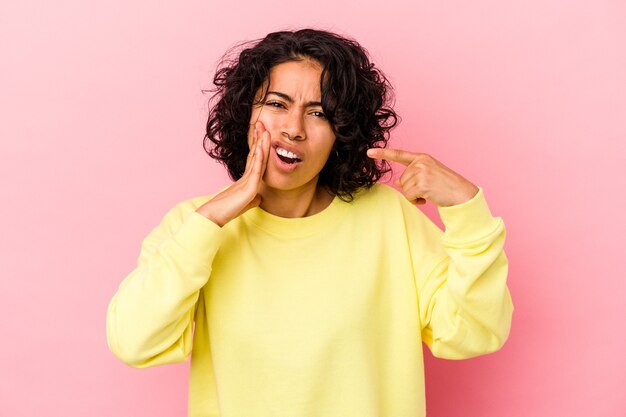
(285, 157)
(287, 151)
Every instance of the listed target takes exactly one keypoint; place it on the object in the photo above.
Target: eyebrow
(291, 100)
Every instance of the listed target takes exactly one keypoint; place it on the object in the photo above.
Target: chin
(286, 183)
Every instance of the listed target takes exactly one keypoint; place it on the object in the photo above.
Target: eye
(319, 114)
(275, 104)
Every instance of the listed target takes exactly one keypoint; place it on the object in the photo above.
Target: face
(301, 136)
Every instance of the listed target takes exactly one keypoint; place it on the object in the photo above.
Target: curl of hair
(356, 99)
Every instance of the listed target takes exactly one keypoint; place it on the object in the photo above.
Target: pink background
(101, 133)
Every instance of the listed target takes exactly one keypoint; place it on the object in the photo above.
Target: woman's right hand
(243, 194)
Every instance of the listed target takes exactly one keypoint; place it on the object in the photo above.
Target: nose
(293, 126)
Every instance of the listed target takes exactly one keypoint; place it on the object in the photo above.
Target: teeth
(286, 153)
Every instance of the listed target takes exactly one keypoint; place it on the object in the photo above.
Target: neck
(295, 203)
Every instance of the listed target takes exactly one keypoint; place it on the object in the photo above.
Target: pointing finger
(395, 155)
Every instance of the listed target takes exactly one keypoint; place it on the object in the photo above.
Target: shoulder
(384, 201)
(381, 195)
(185, 207)
(192, 204)
(178, 214)
(377, 191)
(379, 201)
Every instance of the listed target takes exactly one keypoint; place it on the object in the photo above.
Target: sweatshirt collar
(299, 226)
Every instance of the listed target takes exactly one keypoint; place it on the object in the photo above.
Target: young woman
(305, 288)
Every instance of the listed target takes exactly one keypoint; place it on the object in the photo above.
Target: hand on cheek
(243, 194)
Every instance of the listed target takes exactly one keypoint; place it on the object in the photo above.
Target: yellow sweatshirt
(321, 316)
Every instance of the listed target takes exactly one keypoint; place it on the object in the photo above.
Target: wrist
(211, 212)
(464, 196)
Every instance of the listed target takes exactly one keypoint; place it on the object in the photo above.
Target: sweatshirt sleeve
(464, 303)
(150, 317)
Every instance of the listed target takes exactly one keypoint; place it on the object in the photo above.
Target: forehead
(297, 78)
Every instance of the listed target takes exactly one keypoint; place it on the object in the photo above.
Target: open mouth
(287, 157)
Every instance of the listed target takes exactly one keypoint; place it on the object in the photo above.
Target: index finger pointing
(395, 155)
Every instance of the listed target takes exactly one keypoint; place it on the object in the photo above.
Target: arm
(464, 303)
(465, 306)
(150, 318)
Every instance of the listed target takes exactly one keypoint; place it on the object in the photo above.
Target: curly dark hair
(356, 99)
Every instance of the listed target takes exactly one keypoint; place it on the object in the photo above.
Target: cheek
(324, 151)
(327, 136)
(270, 121)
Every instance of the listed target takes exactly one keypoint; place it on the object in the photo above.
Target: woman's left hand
(425, 178)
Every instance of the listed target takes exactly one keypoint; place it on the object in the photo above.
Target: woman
(305, 288)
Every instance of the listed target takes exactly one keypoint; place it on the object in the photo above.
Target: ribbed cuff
(470, 220)
(200, 237)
